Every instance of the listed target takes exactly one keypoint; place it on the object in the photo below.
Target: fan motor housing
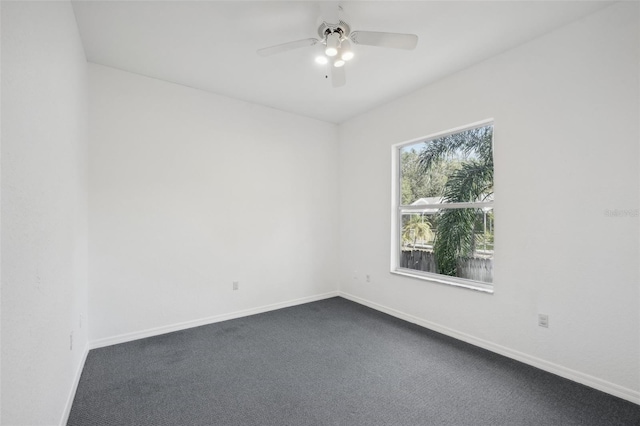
(341, 28)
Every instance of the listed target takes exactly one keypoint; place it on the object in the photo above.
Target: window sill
(452, 281)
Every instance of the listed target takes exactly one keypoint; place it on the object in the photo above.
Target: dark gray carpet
(331, 362)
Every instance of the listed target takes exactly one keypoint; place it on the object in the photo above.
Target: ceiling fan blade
(338, 76)
(393, 40)
(279, 48)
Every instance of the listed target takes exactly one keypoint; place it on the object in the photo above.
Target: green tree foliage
(419, 182)
(471, 181)
(417, 228)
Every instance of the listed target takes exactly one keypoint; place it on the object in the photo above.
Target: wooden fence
(473, 268)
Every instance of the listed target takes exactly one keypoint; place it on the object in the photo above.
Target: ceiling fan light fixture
(334, 45)
(346, 53)
(333, 42)
(347, 56)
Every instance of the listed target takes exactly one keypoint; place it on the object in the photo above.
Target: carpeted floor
(332, 362)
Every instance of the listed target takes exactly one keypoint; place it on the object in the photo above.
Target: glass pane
(452, 169)
(452, 242)
(417, 235)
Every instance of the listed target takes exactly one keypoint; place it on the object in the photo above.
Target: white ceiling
(211, 45)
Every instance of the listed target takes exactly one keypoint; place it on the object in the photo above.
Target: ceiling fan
(335, 40)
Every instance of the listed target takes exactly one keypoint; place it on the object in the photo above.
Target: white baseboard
(128, 337)
(576, 376)
(74, 387)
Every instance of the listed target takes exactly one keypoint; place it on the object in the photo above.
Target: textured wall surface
(44, 210)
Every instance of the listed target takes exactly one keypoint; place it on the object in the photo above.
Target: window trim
(397, 208)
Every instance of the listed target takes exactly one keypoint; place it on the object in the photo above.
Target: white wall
(566, 110)
(44, 227)
(190, 191)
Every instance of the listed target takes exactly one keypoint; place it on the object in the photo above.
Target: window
(443, 219)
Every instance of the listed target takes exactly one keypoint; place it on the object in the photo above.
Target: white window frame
(397, 209)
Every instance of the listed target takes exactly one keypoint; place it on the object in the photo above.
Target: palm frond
(454, 239)
(471, 142)
(416, 229)
(471, 183)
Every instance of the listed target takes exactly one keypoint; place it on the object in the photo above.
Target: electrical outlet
(368, 278)
(543, 320)
(236, 285)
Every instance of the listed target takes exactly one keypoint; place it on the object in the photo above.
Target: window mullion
(432, 207)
